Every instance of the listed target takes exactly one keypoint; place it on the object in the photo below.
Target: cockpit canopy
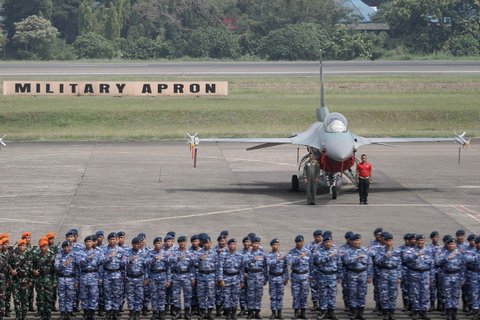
(335, 123)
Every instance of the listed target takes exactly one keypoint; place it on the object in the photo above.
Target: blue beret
(202, 236)
(245, 239)
(141, 236)
(378, 230)
(220, 237)
(273, 241)
(205, 240)
(450, 240)
(299, 238)
(75, 231)
(460, 233)
(387, 236)
(94, 237)
(327, 237)
(194, 237)
(224, 233)
(100, 233)
(136, 240)
(157, 239)
(317, 233)
(471, 237)
(477, 240)
(256, 239)
(406, 236)
(232, 240)
(69, 233)
(327, 233)
(251, 235)
(434, 234)
(65, 244)
(171, 233)
(182, 238)
(121, 233)
(412, 236)
(88, 238)
(356, 236)
(420, 237)
(168, 237)
(111, 235)
(446, 238)
(348, 235)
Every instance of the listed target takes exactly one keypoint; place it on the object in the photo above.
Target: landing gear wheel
(334, 192)
(294, 183)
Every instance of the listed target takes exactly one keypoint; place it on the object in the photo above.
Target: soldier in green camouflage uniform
(4, 276)
(54, 248)
(311, 172)
(44, 272)
(7, 251)
(28, 237)
(21, 265)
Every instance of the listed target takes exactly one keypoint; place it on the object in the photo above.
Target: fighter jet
(330, 140)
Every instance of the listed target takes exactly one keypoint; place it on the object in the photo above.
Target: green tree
(94, 46)
(17, 10)
(36, 35)
(86, 19)
(213, 42)
(112, 27)
(65, 18)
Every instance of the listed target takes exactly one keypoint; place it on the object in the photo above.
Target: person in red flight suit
(364, 177)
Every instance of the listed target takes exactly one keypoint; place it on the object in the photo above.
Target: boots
(131, 315)
(228, 313)
(439, 305)
(391, 314)
(18, 315)
(331, 314)
(454, 314)
(218, 310)
(423, 315)
(188, 315)
(296, 314)
(201, 313)
(432, 305)
(360, 313)
(250, 314)
(279, 314)
(354, 313)
(162, 315)
(385, 314)
(474, 314)
(100, 312)
(92, 315)
(322, 314)
(233, 313)
(175, 313)
(257, 314)
(210, 314)
(303, 313)
(144, 311)
(414, 315)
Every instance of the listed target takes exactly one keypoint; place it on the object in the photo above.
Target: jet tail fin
(322, 113)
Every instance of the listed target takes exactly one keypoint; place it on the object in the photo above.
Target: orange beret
(26, 234)
(42, 243)
(3, 235)
(44, 238)
(50, 235)
(3, 240)
(21, 242)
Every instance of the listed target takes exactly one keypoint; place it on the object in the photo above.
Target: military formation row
(225, 277)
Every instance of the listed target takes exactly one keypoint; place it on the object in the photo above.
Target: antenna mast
(322, 98)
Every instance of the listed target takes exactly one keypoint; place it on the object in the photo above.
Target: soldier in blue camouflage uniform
(472, 260)
(89, 261)
(326, 269)
(421, 271)
(409, 239)
(168, 246)
(468, 275)
(195, 246)
(312, 247)
(100, 246)
(435, 248)
(452, 263)
(220, 248)
(182, 264)
(243, 291)
(256, 274)
(277, 278)
(373, 248)
(389, 264)
(230, 278)
(358, 272)
(134, 262)
(72, 237)
(298, 259)
(159, 277)
(113, 277)
(461, 246)
(341, 252)
(206, 261)
(67, 273)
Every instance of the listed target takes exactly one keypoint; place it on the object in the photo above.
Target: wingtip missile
(460, 139)
(1, 140)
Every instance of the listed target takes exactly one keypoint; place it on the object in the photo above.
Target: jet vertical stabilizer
(322, 112)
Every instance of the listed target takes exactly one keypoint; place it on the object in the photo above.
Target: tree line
(232, 29)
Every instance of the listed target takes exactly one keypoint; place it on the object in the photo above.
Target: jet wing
(385, 141)
(263, 142)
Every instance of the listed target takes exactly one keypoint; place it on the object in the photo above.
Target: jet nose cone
(339, 149)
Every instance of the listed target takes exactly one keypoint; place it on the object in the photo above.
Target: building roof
(360, 9)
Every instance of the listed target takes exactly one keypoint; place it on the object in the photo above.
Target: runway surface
(153, 188)
(310, 68)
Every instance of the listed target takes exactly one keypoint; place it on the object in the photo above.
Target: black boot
(322, 314)
(154, 315)
(7, 313)
(273, 315)
(188, 315)
(233, 313)
(424, 315)
(100, 312)
(454, 314)
(162, 315)
(414, 315)
(391, 314)
(474, 314)
(303, 313)
(354, 313)
(250, 314)
(360, 313)
(175, 313)
(331, 314)
(228, 313)
(385, 314)
(218, 310)
(315, 306)
(144, 311)
(201, 313)
(210, 314)
(131, 315)
(279, 314)
(257, 314)
(432, 305)
(92, 315)
(296, 314)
